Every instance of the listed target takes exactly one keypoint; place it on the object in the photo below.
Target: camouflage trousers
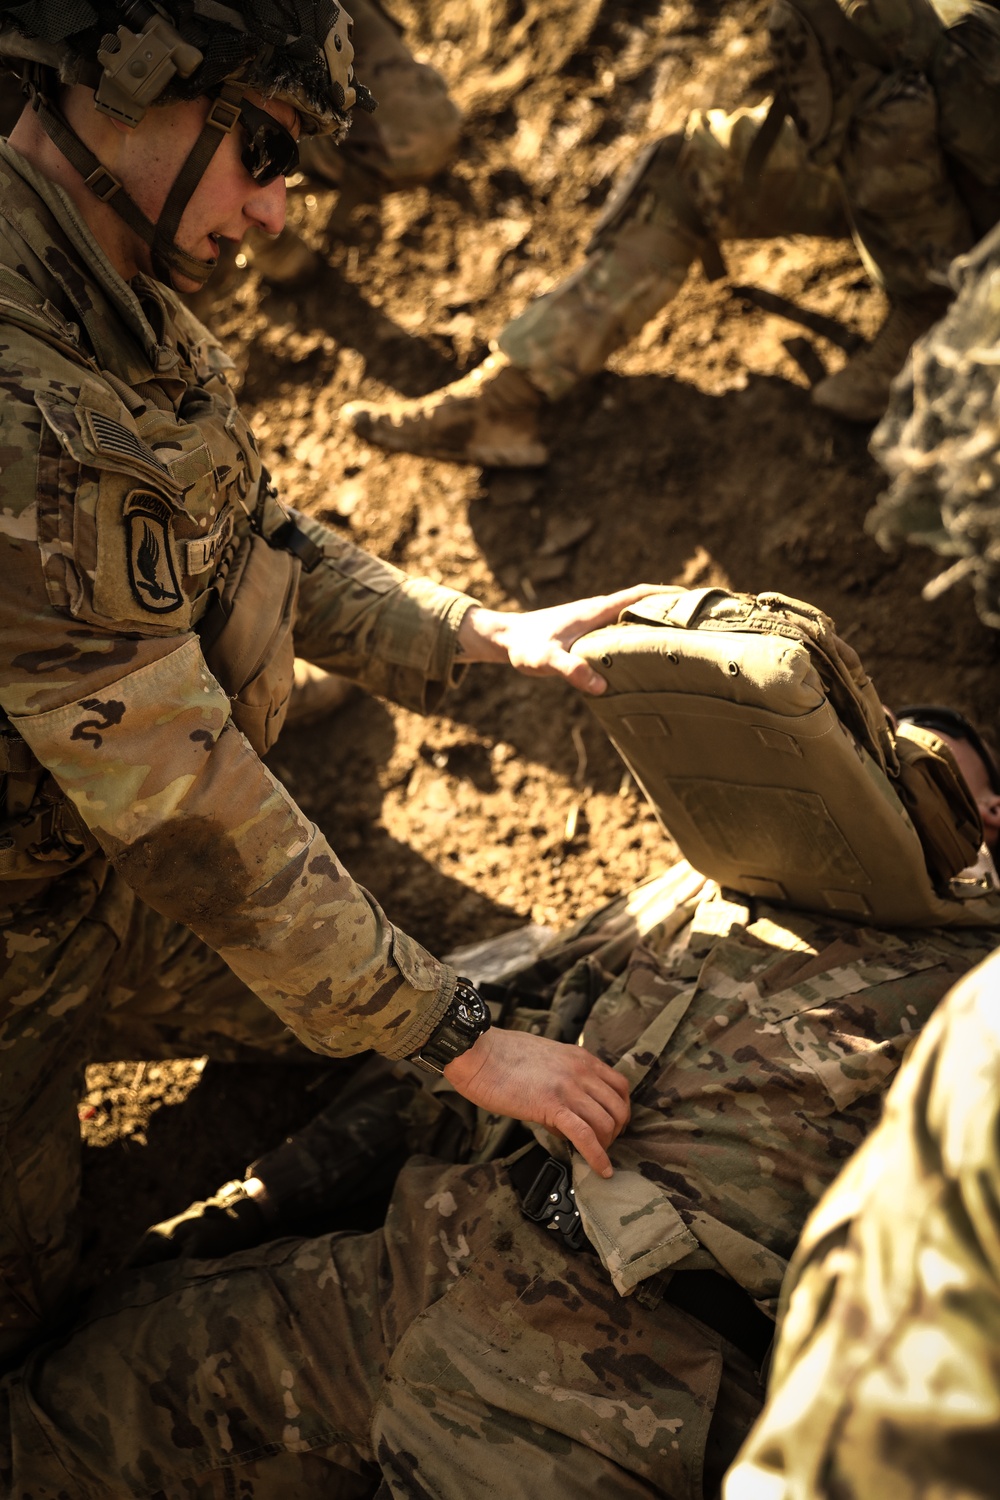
(415, 130)
(89, 972)
(886, 1380)
(890, 188)
(459, 1352)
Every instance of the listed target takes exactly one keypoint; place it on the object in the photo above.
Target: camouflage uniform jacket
(128, 478)
(759, 1044)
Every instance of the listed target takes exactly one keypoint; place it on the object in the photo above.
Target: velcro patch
(202, 551)
(116, 441)
(150, 561)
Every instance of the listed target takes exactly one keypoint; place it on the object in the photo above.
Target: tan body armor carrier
(245, 623)
(247, 633)
(767, 756)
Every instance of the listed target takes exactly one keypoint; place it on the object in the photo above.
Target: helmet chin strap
(167, 256)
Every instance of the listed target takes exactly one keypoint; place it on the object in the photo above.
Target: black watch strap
(465, 1020)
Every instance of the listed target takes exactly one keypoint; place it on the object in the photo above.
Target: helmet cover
(299, 51)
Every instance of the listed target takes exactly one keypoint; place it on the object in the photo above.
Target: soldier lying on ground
(500, 1336)
(884, 124)
(158, 882)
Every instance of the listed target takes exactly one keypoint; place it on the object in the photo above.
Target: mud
(696, 457)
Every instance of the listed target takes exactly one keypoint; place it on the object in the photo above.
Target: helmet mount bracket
(139, 65)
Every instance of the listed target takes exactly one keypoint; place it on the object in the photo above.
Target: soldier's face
(147, 159)
(978, 782)
(227, 201)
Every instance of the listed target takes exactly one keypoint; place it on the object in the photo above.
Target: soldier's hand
(566, 1089)
(540, 642)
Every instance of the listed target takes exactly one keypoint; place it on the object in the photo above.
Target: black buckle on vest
(543, 1187)
(103, 184)
(291, 538)
(223, 115)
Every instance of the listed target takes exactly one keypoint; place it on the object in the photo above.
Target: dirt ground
(695, 458)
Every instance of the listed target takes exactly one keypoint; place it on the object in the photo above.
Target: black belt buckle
(551, 1202)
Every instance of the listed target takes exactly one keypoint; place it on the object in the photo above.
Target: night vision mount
(139, 64)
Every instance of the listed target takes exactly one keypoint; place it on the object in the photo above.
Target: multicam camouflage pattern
(127, 479)
(485, 1362)
(859, 136)
(89, 971)
(760, 1044)
(686, 192)
(885, 1380)
(140, 500)
(462, 1349)
(940, 439)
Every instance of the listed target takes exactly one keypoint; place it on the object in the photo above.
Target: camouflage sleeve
(367, 620)
(884, 1381)
(138, 735)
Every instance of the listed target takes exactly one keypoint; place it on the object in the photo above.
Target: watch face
(471, 1007)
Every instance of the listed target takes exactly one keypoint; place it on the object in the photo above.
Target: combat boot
(232, 1219)
(860, 391)
(489, 417)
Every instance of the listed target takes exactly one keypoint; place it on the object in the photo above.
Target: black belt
(543, 1187)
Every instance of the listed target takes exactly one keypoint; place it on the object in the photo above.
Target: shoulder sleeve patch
(151, 570)
(108, 508)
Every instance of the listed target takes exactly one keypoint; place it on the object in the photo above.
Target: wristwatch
(466, 1018)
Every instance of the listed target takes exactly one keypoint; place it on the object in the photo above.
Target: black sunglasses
(938, 719)
(271, 151)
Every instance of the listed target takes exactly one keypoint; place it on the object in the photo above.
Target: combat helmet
(135, 54)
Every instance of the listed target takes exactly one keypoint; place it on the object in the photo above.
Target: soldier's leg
(56, 954)
(337, 1172)
(690, 191)
(411, 137)
(460, 1349)
(909, 224)
(415, 130)
(530, 1375)
(88, 972)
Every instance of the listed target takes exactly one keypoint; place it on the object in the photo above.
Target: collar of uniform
(161, 357)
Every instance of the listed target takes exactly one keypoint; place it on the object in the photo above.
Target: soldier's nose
(266, 209)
